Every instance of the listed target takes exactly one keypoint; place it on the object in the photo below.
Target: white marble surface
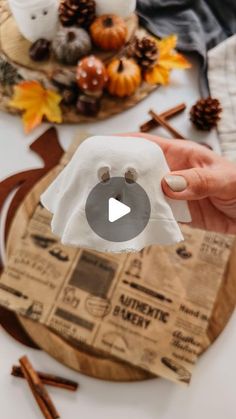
(212, 391)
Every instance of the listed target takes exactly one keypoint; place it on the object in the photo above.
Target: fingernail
(176, 183)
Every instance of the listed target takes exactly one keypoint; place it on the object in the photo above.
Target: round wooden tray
(93, 363)
(15, 50)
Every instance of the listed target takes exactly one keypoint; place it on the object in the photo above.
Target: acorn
(70, 96)
(88, 105)
(40, 50)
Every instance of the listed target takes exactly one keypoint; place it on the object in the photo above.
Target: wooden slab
(94, 363)
(15, 49)
(110, 106)
(4, 10)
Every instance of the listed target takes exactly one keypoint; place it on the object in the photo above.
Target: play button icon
(117, 210)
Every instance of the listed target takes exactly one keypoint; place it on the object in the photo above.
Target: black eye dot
(33, 17)
(45, 12)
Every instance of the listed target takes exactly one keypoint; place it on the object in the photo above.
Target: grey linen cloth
(199, 24)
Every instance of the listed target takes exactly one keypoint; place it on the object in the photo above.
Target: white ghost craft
(36, 18)
(66, 197)
(123, 8)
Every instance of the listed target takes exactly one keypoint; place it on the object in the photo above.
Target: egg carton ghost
(123, 8)
(66, 197)
(36, 18)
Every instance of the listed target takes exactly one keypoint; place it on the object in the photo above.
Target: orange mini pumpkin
(109, 32)
(124, 77)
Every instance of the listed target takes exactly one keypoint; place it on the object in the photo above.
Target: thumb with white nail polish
(191, 184)
(176, 183)
(194, 184)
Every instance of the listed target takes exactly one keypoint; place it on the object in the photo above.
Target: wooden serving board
(15, 49)
(93, 363)
(49, 150)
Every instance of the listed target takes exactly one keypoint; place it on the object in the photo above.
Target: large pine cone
(205, 114)
(77, 12)
(144, 51)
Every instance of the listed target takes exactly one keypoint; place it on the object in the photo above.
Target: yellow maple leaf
(160, 75)
(174, 60)
(165, 45)
(36, 102)
(168, 59)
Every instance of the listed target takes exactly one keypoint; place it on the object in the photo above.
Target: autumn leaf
(36, 102)
(168, 59)
(174, 61)
(167, 44)
(160, 74)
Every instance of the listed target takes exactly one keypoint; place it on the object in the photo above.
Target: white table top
(212, 391)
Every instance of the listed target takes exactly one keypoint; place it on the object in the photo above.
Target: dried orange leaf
(157, 75)
(175, 60)
(167, 44)
(36, 102)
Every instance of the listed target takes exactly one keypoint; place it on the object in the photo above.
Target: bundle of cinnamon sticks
(37, 381)
(162, 120)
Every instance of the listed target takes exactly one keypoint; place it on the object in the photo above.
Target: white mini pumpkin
(70, 44)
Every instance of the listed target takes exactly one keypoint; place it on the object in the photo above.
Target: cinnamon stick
(38, 390)
(161, 121)
(48, 379)
(152, 123)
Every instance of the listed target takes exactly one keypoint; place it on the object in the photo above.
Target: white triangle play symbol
(117, 210)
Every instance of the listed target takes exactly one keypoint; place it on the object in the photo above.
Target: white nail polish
(176, 183)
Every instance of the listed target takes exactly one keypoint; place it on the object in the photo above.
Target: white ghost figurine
(123, 8)
(97, 160)
(36, 18)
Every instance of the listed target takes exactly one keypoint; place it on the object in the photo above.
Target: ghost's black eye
(33, 17)
(45, 12)
(104, 174)
(131, 175)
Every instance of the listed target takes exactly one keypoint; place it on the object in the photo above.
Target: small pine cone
(8, 74)
(205, 114)
(144, 51)
(77, 12)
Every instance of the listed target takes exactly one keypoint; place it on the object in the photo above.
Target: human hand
(204, 179)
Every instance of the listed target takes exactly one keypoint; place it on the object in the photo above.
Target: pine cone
(77, 12)
(144, 51)
(8, 74)
(205, 114)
